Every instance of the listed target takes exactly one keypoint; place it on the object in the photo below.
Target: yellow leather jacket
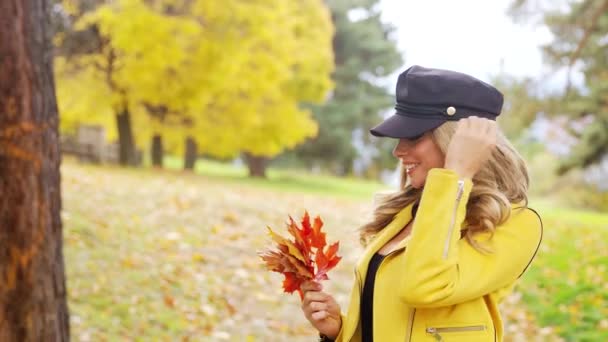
(435, 286)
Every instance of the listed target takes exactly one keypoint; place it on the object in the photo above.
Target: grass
(293, 181)
(553, 211)
(167, 255)
(567, 287)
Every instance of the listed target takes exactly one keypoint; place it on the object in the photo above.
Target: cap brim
(401, 127)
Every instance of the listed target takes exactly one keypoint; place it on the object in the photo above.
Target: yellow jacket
(435, 286)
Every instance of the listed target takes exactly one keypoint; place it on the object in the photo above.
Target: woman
(444, 250)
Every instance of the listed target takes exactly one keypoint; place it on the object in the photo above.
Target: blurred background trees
(365, 53)
(299, 84)
(579, 30)
(572, 121)
(208, 73)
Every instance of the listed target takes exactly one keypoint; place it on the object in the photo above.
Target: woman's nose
(395, 152)
(400, 149)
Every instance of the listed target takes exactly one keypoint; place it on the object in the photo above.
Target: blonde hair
(502, 180)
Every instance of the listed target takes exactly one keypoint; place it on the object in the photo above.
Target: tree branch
(579, 48)
(581, 44)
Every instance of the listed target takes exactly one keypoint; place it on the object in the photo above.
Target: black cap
(426, 98)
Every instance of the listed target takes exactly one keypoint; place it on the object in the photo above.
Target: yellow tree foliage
(231, 74)
(285, 58)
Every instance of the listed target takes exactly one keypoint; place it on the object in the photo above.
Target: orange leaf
(318, 237)
(300, 239)
(298, 266)
(326, 261)
(303, 258)
(306, 229)
(273, 261)
(291, 282)
(169, 301)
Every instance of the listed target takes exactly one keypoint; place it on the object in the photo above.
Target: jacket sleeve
(340, 337)
(440, 269)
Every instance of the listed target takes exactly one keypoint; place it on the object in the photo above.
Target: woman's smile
(409, 167)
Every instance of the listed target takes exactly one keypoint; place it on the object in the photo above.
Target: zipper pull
(433, 331)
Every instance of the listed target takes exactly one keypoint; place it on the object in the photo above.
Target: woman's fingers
(312, 310)
(318, 306)
(471, 146)
(319, 315)
(314, 296)
(321, 309)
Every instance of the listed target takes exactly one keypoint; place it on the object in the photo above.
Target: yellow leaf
(293, 250)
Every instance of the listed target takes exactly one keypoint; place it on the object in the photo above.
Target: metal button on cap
(451, 111)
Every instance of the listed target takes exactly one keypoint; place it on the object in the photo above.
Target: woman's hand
(471, 145)
(321, 309)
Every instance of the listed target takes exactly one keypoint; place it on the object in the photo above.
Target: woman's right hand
(321, 309)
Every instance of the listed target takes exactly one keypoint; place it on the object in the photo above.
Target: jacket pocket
(468, 333)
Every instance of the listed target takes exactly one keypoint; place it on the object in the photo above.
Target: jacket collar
(384, 236)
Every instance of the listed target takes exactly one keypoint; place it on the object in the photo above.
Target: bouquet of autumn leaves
(305, 257)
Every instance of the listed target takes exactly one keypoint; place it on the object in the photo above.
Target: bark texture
(33, 304)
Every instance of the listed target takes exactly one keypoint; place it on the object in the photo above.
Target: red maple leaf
(318, 237)
(306, 257)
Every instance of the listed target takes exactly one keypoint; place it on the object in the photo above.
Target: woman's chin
(416, 186)
(415, 183)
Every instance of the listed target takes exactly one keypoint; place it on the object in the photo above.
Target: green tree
(579, 29)
(365, 52)
(522, 104)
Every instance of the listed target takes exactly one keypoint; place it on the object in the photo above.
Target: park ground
(166, 255)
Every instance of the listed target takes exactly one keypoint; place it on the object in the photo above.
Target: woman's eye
(416, 138)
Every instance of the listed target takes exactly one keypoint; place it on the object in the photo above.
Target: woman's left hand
(471, 145)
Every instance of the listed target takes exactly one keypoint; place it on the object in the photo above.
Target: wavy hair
(502, 180)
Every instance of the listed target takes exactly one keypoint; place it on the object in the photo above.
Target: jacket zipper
(410, 326)
(446, 248)
(436, 332)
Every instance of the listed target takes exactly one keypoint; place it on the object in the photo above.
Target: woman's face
(418, 157)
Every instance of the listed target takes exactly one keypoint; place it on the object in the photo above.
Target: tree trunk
(125, 138)
(157, 151)
(33, 304)
(346, 168)
(257, 165)
(191, 154)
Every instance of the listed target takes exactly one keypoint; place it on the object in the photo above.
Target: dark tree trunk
(345, 168)
(125, 138)
(157, 151)
(33, 303)
(257, 165)
(191, 154)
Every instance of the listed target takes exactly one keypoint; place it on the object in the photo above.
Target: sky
(471, 36)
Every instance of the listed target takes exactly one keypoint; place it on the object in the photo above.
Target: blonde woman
(450, 244)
